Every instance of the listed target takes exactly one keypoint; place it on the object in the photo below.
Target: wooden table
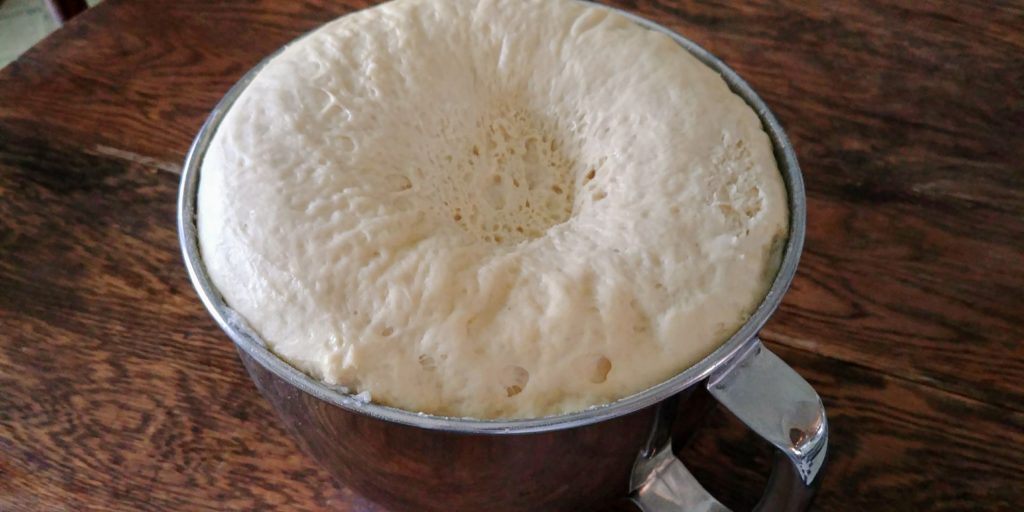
(117, 391)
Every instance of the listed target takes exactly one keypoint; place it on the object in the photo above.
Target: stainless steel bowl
(410, 461)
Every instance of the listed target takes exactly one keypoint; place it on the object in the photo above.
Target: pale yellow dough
(492, 209)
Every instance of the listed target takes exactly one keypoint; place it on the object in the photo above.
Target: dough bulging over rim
(490, 209)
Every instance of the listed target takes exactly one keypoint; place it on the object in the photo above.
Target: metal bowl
(415, 461)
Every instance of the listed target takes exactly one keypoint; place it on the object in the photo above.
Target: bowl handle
(777, 404)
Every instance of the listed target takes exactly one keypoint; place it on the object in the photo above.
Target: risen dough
(490, 208)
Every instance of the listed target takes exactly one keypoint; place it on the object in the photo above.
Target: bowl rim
(250, 342)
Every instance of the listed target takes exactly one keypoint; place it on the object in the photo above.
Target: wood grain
(117, 392)
(146, 86)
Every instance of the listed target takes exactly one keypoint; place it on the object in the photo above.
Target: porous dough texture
(490, 209)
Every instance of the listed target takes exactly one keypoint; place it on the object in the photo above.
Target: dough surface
(491, 209)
